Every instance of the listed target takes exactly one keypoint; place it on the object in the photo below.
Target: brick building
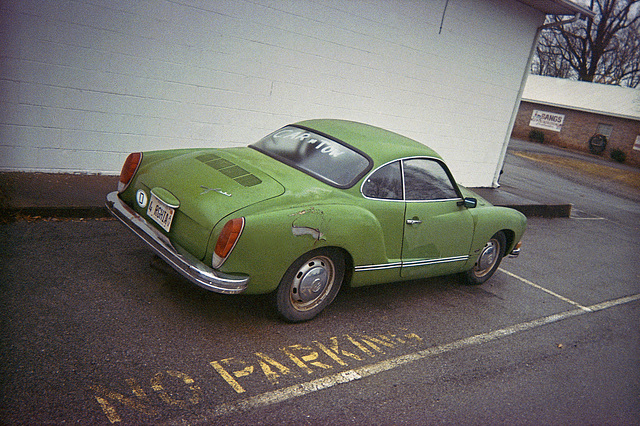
(569, 113)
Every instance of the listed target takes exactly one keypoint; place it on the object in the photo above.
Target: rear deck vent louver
(229, 169)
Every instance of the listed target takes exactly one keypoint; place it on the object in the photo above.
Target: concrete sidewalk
(500, 197)
(54, 194)
(83, 196)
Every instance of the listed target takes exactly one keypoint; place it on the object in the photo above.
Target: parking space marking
(546, 290)
(285, 394)
(580, 215)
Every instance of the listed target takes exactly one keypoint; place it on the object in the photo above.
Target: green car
(311, 207)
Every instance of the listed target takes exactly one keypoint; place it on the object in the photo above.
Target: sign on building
(546, 120)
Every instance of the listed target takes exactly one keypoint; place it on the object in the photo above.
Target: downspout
(525, 75)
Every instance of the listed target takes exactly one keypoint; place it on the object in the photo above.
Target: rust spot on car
(309, 221)
(305, 230)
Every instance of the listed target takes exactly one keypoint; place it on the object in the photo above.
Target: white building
(84, 82)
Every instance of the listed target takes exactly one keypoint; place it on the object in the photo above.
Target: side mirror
(469, 203)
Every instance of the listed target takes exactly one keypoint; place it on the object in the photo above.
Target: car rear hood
(208, 185)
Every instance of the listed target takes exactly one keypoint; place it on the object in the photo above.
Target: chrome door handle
(413, 222)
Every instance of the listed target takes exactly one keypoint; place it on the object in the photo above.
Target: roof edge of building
(581, 109)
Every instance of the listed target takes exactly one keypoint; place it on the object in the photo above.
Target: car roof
(380, 144)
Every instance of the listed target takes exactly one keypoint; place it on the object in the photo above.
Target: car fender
(488, 221)
(272, 241)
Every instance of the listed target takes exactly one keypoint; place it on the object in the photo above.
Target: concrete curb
(544, 210)
(503, 198)
(95, 212)
(13, 213)
(76, 196)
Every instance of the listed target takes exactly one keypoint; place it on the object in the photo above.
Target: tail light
(129, 170)
(227, 241)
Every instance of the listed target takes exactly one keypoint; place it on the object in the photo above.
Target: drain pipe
(514, 114)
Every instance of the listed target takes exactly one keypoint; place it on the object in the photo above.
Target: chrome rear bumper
(179, 259)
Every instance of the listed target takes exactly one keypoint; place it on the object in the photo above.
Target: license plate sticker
(160, 212)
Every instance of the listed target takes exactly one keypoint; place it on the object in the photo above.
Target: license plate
(160, 212)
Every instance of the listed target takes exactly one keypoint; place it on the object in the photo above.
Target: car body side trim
(178, 258)
(379, 267)
(422, 262)
(425, 262)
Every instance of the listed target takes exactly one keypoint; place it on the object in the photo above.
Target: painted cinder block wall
(578, 127)
(84, 82)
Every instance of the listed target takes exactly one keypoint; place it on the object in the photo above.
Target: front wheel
(488, 261)
(310, 284)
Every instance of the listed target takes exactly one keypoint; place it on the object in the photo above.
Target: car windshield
(326, 159)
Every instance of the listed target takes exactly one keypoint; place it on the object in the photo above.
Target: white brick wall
(84, 82)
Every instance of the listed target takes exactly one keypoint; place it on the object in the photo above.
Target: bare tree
(603, 50)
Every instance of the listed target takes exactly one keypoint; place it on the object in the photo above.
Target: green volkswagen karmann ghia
(311, 207)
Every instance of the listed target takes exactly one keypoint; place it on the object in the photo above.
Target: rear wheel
(488, 261)
(310, 284)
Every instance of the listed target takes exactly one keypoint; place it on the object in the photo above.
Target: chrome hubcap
(487, 258)
(312, 283)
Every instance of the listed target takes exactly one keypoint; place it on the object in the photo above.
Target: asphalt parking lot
(96, 330)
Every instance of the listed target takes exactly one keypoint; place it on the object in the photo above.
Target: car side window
(385, 183)
(427, 180)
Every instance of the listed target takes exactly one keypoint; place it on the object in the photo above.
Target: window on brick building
(605, 130)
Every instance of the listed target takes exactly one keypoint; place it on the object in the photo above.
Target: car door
(438, 230)
(383, 196)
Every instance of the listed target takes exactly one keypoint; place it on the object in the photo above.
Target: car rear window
(320, 156)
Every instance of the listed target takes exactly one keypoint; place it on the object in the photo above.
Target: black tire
(488, 260)
(310, 284)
